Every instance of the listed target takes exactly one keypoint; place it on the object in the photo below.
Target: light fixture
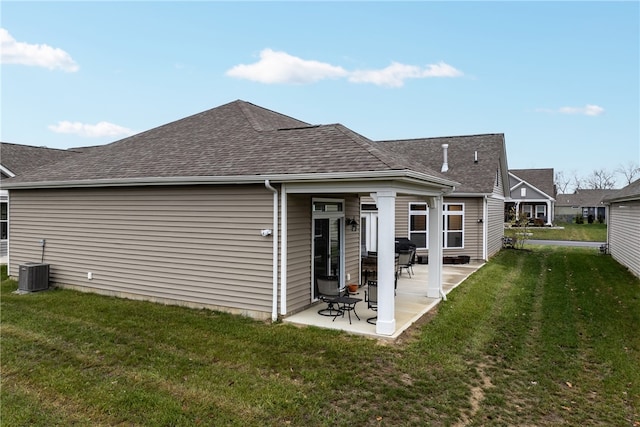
(353, 223)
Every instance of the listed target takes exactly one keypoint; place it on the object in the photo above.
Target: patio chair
(371, 297)
(405, 261)
(328, 291)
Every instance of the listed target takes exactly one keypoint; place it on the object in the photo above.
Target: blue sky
(559, 79)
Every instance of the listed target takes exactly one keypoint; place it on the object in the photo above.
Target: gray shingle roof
(235, 139)
(630, 192)
(587, 197)
(20, 159)
(474, 177)
(542, 179)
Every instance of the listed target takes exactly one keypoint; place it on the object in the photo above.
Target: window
(541, 211)
(3, 221)
(418, 224)
(523, 192)
(453, 225)
(527, 210)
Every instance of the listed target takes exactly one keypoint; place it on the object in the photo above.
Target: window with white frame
(453, 225)
(418, 224)
(527, 210)
(541, 211)
(4, 217)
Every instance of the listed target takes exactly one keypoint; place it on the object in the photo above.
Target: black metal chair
(328, 291)
(405, 261)
(371, 297)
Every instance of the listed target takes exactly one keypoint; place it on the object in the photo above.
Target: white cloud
(39, 55)
(280, 67)
(587, 110)
(395, 74)
(92, 131)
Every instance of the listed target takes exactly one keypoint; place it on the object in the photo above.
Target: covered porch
(411, 302)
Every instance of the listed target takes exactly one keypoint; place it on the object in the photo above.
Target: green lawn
(541, 337)
(573, 232)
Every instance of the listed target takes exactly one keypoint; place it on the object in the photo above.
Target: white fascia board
(7, 172)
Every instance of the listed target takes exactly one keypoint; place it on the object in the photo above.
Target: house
(532, 194)
(587, 204)
(473, 214)
(623, 229)
(238, 208)
(16, 159)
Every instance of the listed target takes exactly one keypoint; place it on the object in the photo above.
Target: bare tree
(630, 171)
(578, 182)
(601, 179)
(562, 182)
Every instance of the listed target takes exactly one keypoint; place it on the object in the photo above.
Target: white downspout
(485, 228)
(283, 249)
(274, 308)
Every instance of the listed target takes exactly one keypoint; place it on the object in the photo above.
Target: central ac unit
(33, 277)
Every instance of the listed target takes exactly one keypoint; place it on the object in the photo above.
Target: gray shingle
(20, 159)
(474, 177)
(235, 139)
(542, 179)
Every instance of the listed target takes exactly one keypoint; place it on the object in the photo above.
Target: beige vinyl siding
(299, 232)
(352, 240)
(298, 252)
(498, 186)
(192, 245)
(472, 244)
(495, 225)
(624, 234)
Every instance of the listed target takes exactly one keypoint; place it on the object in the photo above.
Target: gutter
(274, 236)
(235, 179)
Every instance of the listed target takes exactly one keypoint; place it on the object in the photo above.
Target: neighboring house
(473, 214)
(587, 204)
(623, 229)
(238, 208)
(532, 194)
(16, 159)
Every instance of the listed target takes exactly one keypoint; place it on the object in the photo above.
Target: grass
(541, 337)
(573, 232)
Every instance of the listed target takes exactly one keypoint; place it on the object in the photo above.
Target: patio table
(347, 304)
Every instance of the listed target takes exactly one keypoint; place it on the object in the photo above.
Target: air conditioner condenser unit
(33, 277)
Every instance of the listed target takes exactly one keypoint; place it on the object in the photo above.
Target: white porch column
(434, 288)
(386, 201)
(549, 213)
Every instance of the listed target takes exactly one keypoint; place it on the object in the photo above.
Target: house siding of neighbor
(584, 203)
(532, 193)
(479, 164)
(623, 230)
(237, 208)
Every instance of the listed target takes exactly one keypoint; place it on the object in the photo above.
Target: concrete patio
(411, 302)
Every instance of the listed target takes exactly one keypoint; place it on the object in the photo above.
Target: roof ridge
(246, 108)
(442, 137)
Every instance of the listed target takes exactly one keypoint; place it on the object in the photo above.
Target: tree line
(599, 179)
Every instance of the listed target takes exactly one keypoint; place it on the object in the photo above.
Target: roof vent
(445, 164)
(475, 157)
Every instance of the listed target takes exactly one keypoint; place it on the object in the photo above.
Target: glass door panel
(327, 244)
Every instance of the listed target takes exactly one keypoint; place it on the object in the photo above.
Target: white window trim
(446, 213)
(425, 213)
